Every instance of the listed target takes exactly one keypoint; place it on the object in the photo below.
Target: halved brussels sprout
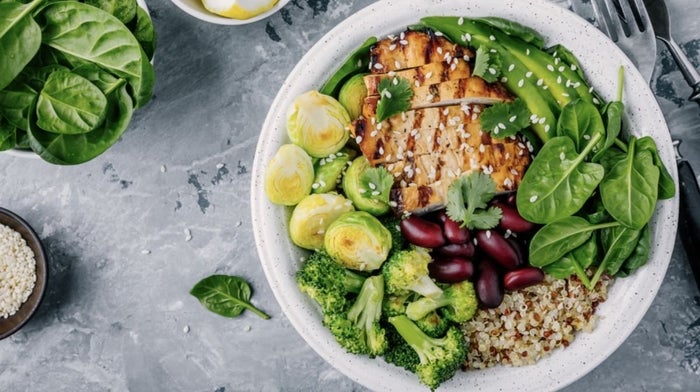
(330, 169)
(352, 95)
(289, 175)
(353, 189)
(318, 124)
(358, 241)
(312, 216)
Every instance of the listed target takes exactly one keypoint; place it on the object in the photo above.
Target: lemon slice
(238, 9)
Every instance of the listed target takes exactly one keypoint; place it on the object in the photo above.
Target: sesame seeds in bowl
(23, 272)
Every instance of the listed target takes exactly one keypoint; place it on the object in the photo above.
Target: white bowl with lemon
(230, 12)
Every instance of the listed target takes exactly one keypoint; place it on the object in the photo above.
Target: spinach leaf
(36, 77)
(629, 191)
(580, 120)
(144, 32)
(225, 295)
(576, 261)
(124, 10)
(558, 182)
(22, 140)
(640, 255)
(16, 102)
(618, 244)
(560, 237)
(8, 135)
(594, 211)
(70, 104)
(106, 82)
(20, 38)
(514, 29)
(74, 149)
(667, 187)
(92, 35)
(357, 62)
(613, 122)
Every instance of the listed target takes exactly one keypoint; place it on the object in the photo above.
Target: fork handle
(690, 216)
(687, 69)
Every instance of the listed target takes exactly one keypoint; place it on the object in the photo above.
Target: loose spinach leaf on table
(20, 38)
(560, 237)
(225, 295)
(629, 190)
(559, 181)
(95, 36)
(70, 104)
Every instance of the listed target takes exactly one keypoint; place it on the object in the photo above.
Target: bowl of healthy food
(230, 12)
(467, 196)
(74, 75)
(23, 272)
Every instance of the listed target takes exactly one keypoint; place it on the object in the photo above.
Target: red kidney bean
(463, 250)
(512, 220)
(453, 232)
(489, 288)
(520, 249)
(421, 232)
(523, 277)
(497, 248)
(451, 270)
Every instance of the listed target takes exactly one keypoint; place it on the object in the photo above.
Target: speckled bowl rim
(37, 295)
(629, 298)
(196, 8)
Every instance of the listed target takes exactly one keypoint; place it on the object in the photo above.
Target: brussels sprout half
(318, 124)
(352, 95)
(358, 241)
(351, 186)
(312, 216)
(289, 175)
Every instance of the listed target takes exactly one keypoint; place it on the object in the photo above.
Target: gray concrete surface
(118, 319)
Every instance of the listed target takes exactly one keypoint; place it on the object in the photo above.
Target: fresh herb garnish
(467, 201)
(487, 65)
(395, 97)
(505, 119)
(225, 295)
(376, 182)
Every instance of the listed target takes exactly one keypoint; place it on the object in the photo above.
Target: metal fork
(627, 23)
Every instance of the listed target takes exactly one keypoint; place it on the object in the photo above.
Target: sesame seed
(501, 125)
(565, 94)
(587, 137)
(430, 97)
(550, 67)
(373, 133)
(145, 252)
(521, 82)
(546, 128)
(403, 42)
(562, 156)
(514, 172)
(163, 169)
(438, 33)
(504, 79)
(439, 50)
(533, 198)
(596, 101)
(460, 21)
(392, 47)
(540, 82)
(428, 75)
(527, 51)
(417, 83)
(528, 74)
(513, 118)
(573, 67)
(468, 36)
(362, 190)
(542, 120)
(492, 38)
(511, 67)
(378, 66)
(561, 68)
(492, 71)
(376, 193)
(488, 233)
(558, 79)
(381, 150)
(358, 139)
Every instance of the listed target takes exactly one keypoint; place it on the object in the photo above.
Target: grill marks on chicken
(440, 138)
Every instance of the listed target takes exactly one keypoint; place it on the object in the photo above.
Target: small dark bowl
(12, 324)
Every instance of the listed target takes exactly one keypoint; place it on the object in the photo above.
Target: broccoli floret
(399, 352)
(434, 325)
(328, 282)
(393, 224)
(440, 358)
(457, 302)
(358, 330)
(407, 270)
(395, 305)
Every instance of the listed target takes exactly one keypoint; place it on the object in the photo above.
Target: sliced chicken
(427, 74)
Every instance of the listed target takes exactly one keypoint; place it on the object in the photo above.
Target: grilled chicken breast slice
(412, 49)
(428, 74)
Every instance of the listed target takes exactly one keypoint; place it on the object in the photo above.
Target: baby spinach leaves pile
(72, 75)
(594, 193)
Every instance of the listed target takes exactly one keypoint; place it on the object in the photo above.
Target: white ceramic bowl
(196, 9)
(629, 298)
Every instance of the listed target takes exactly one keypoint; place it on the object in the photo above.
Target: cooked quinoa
(530, 323)
(17, 271)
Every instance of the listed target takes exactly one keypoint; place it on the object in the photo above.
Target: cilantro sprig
(376, 182)
(487, 65)
(506, 118)
(395, 97)
(467, 201)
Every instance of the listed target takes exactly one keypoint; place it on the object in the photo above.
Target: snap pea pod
(539, 102)
(356, 63)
